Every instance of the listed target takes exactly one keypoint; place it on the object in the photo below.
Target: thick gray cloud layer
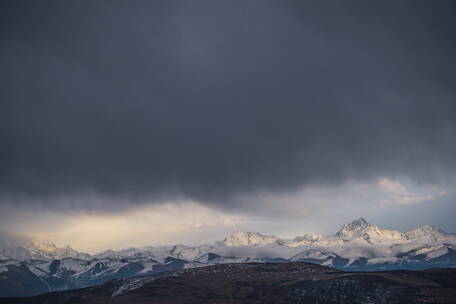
(213, 99)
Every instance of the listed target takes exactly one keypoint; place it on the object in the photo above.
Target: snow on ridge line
(358, 233)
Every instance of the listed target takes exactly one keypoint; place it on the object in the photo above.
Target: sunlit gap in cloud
(163, 224)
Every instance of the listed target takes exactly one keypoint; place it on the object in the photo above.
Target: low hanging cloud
(403, 196)
(105, 106)
(393, 186)
(419, 198)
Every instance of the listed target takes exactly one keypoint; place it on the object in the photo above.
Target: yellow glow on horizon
(147, 225)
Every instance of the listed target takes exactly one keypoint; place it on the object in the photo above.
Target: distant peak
(354, 228)
(246, 238)
(243, 234)
(42, 244)
(427, 228)
(240, 231)
(430, 228)
(360, 221)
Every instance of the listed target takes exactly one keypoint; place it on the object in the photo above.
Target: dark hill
(265, 283)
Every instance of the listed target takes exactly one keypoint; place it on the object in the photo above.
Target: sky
(161, 122)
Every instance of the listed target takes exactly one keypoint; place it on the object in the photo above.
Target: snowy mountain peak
(41, 246)
(246, 238)
(429, 233)
(354, 228)
(33, 249)
(360, 222)
(429, 228)
(362, 231)
(359, 232)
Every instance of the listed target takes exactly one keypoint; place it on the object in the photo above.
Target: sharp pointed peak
(360, 220)
(354, 227)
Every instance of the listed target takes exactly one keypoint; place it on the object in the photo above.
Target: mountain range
(39, 267)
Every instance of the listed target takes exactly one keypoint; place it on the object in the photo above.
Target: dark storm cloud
(211, 99)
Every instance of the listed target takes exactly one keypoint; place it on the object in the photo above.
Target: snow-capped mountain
(358, 245)
(45, 250)
(429, 233)
(358, 232)
(361, 231)
(245, 238)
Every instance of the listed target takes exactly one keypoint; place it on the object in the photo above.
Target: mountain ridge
(357, 246)
(358, 231)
